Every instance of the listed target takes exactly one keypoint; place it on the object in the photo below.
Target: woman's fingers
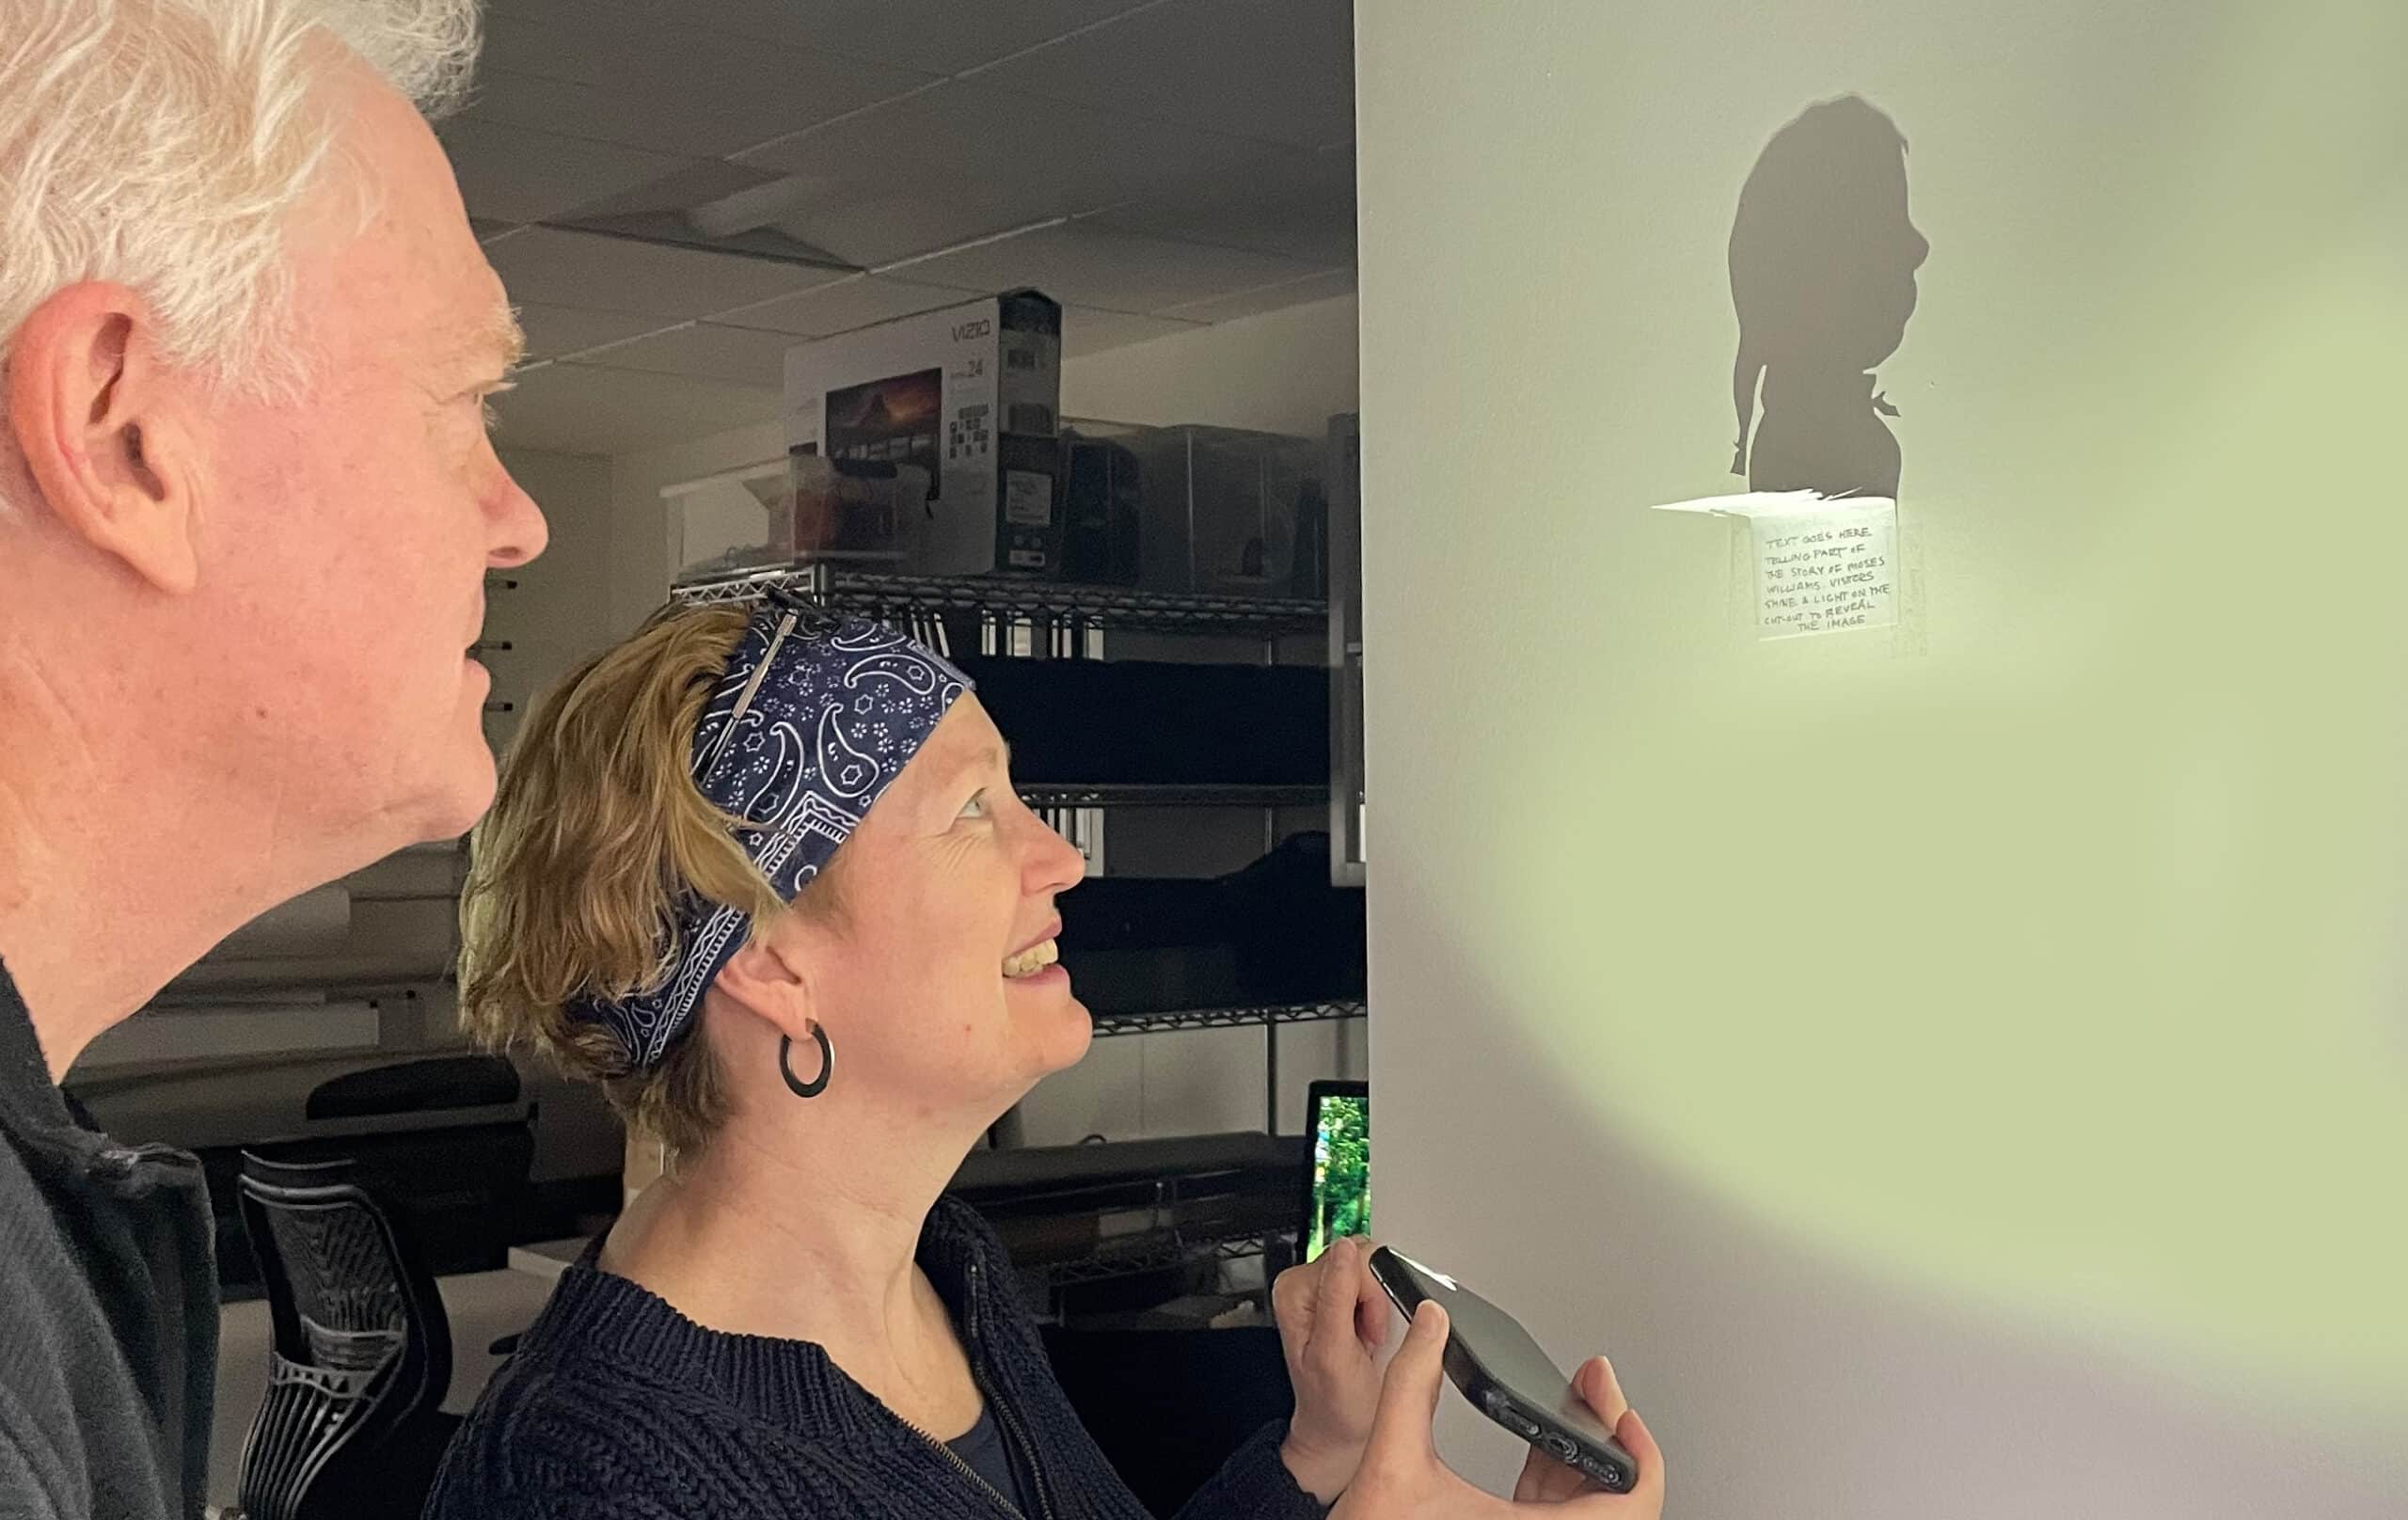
(1639, 1442)
(1334, 1301)
(1602, 1391)
(1373, 1315)
(1645, 1500)
(1292, 1295)
(1400, 1438)
(1546, 1480)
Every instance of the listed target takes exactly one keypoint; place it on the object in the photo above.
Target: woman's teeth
(1031, 960)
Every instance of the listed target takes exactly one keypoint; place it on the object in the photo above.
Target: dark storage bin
(1158, 723)
(1275, 932)
(1101, 498)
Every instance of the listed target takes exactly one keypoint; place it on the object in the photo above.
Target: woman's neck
(800, 1231)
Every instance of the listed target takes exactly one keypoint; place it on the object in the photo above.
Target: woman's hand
(1546, 1481)
(1402, 1478)
(1333, 1322)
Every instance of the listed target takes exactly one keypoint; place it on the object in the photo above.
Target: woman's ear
(769, 979)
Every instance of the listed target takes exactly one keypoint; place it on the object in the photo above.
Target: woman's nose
(1055, 865)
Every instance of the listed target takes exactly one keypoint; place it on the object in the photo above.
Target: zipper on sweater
(964, 1468)
(1002, 1410)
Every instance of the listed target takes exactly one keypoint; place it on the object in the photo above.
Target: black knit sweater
(108, 1308)
(617, 1407)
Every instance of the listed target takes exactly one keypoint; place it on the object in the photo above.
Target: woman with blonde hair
(764, 875)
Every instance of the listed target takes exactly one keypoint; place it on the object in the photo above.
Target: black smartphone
(1506, 1374)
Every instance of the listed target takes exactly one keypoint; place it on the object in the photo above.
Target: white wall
(1280, 372)
(559, 613)
(1960, 1072)
(643, 532)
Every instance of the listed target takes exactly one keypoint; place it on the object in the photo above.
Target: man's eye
(975, 807)
(484, 396)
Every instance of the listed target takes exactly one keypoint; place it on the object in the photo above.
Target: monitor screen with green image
(1338, 1191)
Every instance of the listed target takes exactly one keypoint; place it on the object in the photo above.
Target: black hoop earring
(827, 1063)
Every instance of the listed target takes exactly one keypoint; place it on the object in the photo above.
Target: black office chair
(458, 1190)
(436, 1082)
(361, 1357)
(455, 1191)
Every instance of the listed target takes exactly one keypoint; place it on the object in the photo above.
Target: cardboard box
(970, 394)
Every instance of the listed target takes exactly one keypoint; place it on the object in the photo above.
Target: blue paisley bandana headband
(815, 717)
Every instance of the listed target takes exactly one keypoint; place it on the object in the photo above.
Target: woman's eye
(975, 807)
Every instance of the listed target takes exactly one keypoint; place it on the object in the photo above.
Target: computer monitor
(1337, 1173)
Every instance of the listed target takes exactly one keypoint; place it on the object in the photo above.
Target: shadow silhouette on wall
(1823, 262)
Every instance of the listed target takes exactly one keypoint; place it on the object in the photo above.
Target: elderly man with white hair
(248, 503)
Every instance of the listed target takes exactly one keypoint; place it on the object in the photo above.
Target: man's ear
(103, 424)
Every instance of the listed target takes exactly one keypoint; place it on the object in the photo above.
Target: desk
(547, 1259)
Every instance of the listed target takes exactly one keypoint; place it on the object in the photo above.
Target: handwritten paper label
(1832, 568)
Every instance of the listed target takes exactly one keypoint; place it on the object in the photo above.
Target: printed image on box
(857, 509)
(891, 420)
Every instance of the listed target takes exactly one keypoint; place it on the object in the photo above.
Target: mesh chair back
(360, 1356)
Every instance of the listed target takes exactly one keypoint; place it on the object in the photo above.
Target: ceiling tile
(1327, 285)
(963, 160)
(1086, 330)
(1278, 69)
(511, 174)
(586, 41)
(946, 35)
(1291, 201)
(555, 330)
(843, 305)
(577, 408)
(684, 91)
(1082, 264)
(741, 203)
(704, 351)
(553, 267)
